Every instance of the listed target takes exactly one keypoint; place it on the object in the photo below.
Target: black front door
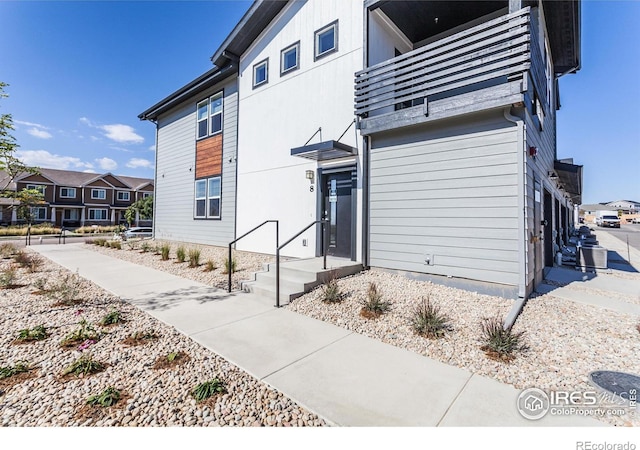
(338, 211)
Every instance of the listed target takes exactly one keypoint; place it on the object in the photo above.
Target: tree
(9, 163)
(27, 200)
(144, 208)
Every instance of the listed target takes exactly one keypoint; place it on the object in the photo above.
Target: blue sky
(81, 72)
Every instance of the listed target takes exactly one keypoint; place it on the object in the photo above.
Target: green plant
(112, 317)
(205, 390)
(36, 334)
(84, 332)
(108, 397)
(172, 356)
(132, 244)
(500, 343)
(8, 277)
(40, 284)
(180, 254)
(428, 321)
(145, 247)
(28, 261)
(84, 365)
(100, 242)
(373, 305)
(66, 290)
(331, 292)
(9, 371)
(115, 245)
(230, 266)
(165, 250)
(194, 257)
(7, 250)
(210, 266)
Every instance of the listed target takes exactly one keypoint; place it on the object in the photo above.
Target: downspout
(155, 181)
(365, 202)
(522, 253)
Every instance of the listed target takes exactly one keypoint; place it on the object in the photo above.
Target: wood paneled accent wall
(209, 156)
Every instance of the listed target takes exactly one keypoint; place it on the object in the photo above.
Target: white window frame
(283, 53)
(123, 199)
(69, 211)
(97, 197)
(146, 194)
(206, 198)
(317, 55)
(68, 189)
(256, 66)
(36, 187)
(35, 212)
(92, 211)
(209, 116)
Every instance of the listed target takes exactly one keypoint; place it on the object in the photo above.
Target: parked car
(138, 232)
(635, 220)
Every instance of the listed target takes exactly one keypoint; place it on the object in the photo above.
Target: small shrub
(106, 398)
(90, 241)
(40, 284)
(141, 337)
(165, 250)
(100, 242)
(194, 257)
(230, 266)
(210, 266)
(500, 343)
(180, 254)
(111, 318)
(145, 247)
(28, 261)
(36, 334)
(8, 278)
(207, 389)
(132, 244)
(66, 290)
(85, 365)
(428, 321)
(9, 371)
(84, 332)
(331, 292)
(117, 245)
(374, 306)
(7, 250)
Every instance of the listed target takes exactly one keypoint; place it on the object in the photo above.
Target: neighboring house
(75, 199)
(626, 206)
(448, 165)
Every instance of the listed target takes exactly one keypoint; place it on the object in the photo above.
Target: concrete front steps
(298, 277)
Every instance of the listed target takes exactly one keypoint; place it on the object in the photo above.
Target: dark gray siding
(449, 191)
(175, 161)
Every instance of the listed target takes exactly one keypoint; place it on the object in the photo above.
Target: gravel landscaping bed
(247, 263)
(566, 340)
(149, 396)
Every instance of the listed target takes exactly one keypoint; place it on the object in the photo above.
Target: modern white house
(424, 132)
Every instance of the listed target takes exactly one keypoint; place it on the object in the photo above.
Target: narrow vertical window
(203, 117)
(216, 113)
(261, 73)
(201, 198)
(290, 58)
(214, 198)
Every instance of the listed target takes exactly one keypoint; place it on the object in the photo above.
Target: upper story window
(36, 187)
(261, 73)
(123, 196)
(67, 192)
(99, 194)
(326, 40)
(210, 116)
(290, 58)
(146, 194)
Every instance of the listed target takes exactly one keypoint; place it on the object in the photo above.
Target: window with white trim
(261, 73)
(123, 196)
(71, 214)
(67, 192)
(97, 214)
(209, 116)
(146, 194)
(207, 198)
(290, 58)
(326, 40)
(38, 213)
(99, 194)
(36, 187)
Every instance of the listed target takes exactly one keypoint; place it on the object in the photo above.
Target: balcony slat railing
(497, 48)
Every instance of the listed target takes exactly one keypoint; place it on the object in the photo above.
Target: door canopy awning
(570, 179)
(324, 151)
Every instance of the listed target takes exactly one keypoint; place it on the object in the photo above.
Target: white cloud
(107, 163)
(135, 163)
(121, 133)
(86, 121)
(39, 133)
(30, 124)
(42, 158)
(152, 148)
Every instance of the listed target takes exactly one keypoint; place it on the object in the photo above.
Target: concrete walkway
(344, 377)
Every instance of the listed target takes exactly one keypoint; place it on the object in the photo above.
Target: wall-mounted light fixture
(553, 176)
(310, 175)
(533, 151)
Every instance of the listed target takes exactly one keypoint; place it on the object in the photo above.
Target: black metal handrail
(230, 266)
(63, 236)
(324, 252)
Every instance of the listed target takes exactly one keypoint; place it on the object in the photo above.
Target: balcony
(493, 64)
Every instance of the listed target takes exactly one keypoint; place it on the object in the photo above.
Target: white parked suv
(138, 232)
